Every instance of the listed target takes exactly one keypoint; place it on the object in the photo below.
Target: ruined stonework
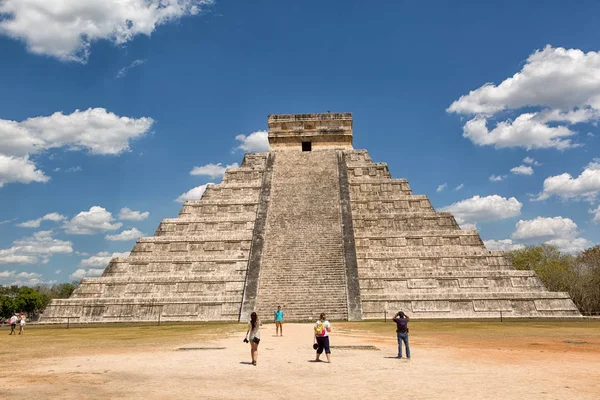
(315, 226)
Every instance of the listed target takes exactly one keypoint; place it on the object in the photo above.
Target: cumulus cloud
(35, 223)
(596, 213)
(66, 29)
(561, 85)
(522, 170)
(525, 131)
(255, 142)
(479, 209)
(9, 278)
(86, 273)
(18, 169)
(531, 161)
(101, 259)
(192, 194)
(127, 214)
(94, 130)
(35, 249)
(212, 170)
(131, 234)
(96, 220)
(497, 178)
(441, 187)
(123, 71)
(504, 245)
(556, 231)
(586, 186)
(545, 228)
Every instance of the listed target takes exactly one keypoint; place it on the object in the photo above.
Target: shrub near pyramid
(315, 226)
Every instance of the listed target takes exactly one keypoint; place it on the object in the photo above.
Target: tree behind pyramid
(314, 226)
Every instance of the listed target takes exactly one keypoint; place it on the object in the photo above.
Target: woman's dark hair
(322, 316)
(253, 318)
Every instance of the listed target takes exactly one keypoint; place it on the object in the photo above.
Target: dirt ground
(450, 360)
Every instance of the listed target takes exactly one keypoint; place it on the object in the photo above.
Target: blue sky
(103, 119)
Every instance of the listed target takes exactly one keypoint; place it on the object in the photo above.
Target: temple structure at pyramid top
(310, 131)
(315, 226)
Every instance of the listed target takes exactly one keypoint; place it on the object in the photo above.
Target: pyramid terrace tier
(470, 305)
(198, 225)
(208, 207)
(180, 267)
(458, 283)
(377, 222)
(135, 309)
(392, 202)
(160, 287)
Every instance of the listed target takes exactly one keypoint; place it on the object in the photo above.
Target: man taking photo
(401, 321)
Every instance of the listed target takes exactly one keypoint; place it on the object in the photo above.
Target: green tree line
(31, 300)
(579, 274)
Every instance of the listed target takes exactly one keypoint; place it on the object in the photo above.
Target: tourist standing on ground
(279, 321)
(13, 324)
(401, 321)
(322, 330)
(21, 323)
(253, 336)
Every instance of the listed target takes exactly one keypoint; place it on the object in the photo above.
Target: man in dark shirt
(401, 321)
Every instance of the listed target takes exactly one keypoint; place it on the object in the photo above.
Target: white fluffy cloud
(255, 142)
(9, 278)
(525, 131)
(497, 178)
(19, 169)
(441, 187)
(545, 228)
(35, 223)
(86, 273)
(101, 259)
(557, 231)
(586, 186)
(65, 29)
(192, 194)
(127, 214)
(35, 249)
(564, 86)
(94, 130)
(596, 213)
(212, 170)
(522, 170)
(96, 220)
(504, 245)
(479, 209)
(131, 234)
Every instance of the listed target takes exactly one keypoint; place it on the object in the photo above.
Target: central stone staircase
(302, 268)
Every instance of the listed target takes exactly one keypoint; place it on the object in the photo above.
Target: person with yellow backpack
(322, 330)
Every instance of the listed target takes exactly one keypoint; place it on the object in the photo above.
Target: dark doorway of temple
(306, 146)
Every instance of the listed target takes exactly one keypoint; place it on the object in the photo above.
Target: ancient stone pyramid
(315, 226)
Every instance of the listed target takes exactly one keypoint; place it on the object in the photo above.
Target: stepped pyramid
(315, 226)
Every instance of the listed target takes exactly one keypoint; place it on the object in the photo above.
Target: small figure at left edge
(278, 321)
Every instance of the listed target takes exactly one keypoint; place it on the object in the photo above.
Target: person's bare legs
(254, 352)
(20, 329)
(328, 357)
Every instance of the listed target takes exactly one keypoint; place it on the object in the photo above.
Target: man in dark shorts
(401, 321)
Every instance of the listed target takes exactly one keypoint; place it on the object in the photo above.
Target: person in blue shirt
(279, 321)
